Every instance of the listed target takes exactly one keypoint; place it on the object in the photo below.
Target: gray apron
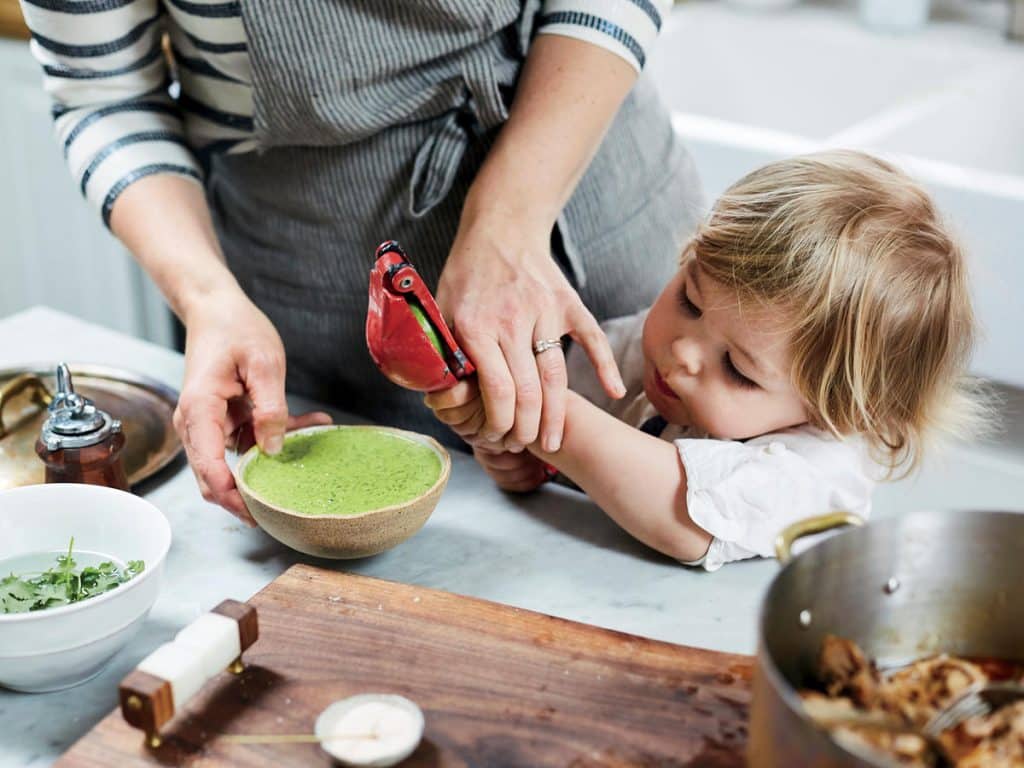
(374, 117)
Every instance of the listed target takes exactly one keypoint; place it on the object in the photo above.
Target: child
(817, 331)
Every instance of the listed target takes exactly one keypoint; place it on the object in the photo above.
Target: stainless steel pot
(902, 588)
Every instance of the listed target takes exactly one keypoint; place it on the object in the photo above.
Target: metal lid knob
(74, 421)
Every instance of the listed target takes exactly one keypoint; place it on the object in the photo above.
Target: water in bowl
(34, 563)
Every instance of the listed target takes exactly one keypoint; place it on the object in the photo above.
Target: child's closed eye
(735, 374)
(688, 306)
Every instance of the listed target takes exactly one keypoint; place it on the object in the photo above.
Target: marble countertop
(552, 551)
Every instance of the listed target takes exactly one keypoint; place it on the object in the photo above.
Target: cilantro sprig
(62, 584)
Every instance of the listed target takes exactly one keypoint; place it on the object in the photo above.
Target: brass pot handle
(811, 525)
(40, 394)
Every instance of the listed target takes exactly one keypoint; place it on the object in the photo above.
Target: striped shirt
(121, 114)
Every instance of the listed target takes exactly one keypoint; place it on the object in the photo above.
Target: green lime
(428, 327)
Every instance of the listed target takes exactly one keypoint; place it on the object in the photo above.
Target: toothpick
(292, 738)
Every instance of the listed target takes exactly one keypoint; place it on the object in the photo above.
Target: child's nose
(688, 355)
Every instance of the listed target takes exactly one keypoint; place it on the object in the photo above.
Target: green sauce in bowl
(344, 472)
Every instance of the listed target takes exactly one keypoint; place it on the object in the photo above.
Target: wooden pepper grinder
(78, 442)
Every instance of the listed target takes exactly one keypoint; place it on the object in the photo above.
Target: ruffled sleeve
(744, 494)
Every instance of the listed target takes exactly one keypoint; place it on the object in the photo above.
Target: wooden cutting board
(499, 686)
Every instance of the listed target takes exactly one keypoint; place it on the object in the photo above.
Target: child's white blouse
(742, 493)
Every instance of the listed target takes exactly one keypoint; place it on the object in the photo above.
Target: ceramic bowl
(59, 647)
(345, 536)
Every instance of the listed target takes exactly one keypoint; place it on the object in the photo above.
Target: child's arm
(638, 480)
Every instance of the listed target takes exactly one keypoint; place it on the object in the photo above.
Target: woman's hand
(233, 393)
(517, 472)
(503, 292)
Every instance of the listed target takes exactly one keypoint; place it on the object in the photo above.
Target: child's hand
(461, 408)
(519, 472)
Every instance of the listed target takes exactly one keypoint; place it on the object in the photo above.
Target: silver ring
(545, 344)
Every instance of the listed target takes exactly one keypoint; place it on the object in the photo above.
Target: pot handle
(811, 525)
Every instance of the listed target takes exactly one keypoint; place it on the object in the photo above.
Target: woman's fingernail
(274, 444)
(552, 444)
(492, 437)
(515, 447)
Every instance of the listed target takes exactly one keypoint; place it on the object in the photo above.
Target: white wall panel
(54, 249)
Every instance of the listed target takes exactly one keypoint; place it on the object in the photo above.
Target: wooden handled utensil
(166, 679)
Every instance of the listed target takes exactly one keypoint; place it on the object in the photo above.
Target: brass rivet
(236, 667)
(153, 740)
(133, 702)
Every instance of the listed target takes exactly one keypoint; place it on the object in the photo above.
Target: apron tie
(436, 165)
(439, 157)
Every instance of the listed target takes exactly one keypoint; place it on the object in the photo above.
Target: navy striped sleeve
(627, 28)
(104, 67)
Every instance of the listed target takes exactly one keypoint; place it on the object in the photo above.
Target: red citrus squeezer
(407, 336)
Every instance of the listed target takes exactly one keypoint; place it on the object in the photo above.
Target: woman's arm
(567, 96)
(638, 480)
(234, 359)
(500, 285)
(123, 139)
(165, 222)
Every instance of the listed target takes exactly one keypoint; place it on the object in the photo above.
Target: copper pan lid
(145, 407)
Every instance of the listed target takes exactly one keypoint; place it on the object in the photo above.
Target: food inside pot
(885, 711)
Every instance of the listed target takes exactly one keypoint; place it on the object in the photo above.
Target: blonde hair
(875, 295)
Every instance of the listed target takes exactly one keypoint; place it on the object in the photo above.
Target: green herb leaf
(15, 595)
(62, 584)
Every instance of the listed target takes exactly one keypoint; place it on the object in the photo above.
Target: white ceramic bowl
(59, 647)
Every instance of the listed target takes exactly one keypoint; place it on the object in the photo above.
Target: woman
(320, 129)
